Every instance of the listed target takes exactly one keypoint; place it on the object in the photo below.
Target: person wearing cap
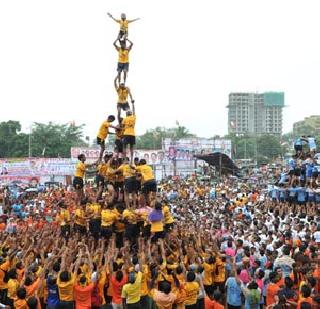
(123, 93)
(129, 135)
(123, 58)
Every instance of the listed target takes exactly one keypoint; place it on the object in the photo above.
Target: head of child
(191, 276)
(111, 118)
(123, 16)
(82, 157)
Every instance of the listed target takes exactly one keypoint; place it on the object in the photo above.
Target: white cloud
(57, 61)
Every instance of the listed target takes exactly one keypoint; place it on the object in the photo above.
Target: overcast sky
(57, 61)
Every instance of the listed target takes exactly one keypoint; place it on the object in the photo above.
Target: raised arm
(130, 95)
(115, 44)
(109, 14)
(131, 44)
(133, 20)
(115, 82)
(133, 108)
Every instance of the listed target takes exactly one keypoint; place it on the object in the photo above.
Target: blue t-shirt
(293, 192)
(282, 193)
(53, 294)
(274, 193)
(16, 209)
(233, 292)
(301, 195)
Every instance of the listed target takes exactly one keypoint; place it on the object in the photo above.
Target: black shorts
(146, 231)
(168, 227)
(124, 106)
(138, 185)
(100, 181)
(131, 232)
(129, 140)
(149, 186)
(119, 146)
(130, 185)
(81, 229)
(100, 141)
(106, 231)
(291, 172)
(94, 227)
(315, 174)
(118, 186)
(65, 230)
(123, 67)
(297, 171)
(158, 235)
(78, 183)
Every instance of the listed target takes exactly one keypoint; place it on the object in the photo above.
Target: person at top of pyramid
(124, 25)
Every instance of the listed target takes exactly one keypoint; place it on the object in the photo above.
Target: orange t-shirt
(304, 300)
(208, 303)
(272, 291)
(2, 226)
(82, 296)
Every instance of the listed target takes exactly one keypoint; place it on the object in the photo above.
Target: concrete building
(255, 113)
(310, 125)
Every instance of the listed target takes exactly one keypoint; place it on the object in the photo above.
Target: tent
(221, 162)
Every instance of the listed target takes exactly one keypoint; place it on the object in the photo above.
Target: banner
(36, 167)
(33, 180)
(185, 149)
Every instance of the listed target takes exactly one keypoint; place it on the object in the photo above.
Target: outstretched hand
(109, 14)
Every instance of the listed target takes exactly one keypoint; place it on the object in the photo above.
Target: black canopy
(217, 158)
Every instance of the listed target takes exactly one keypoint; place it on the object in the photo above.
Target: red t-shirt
(117, 288)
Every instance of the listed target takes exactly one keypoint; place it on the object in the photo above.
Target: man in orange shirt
(82, 294)
(272, 289)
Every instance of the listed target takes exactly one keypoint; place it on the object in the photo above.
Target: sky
(58, 63)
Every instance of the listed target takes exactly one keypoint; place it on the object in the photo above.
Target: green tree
(55, 140)
(153, 138)
(12, 142)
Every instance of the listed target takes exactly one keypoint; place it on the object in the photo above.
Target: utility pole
(30, 133)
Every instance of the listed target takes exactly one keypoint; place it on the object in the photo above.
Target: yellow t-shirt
(144, 280)
(123, 94)
(156, 226)
(103, 169)
(132, 291)
(119, 226)
(146, 172)
(129, 124)
(104, 130)
(208, 270)
(66, 288)
(80, 217)
(13, 285)
(80, 169)
(119, 133)
(64, 216)
(123, 55)
(192, 290)
(130, 216)
(108, 217)
(124, 24)
(96, 210)
(168, 219)
(126, 170)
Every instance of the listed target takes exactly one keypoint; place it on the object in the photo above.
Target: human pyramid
(117, 172)
(125, 130)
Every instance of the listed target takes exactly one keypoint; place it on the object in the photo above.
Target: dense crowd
(190, 249)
